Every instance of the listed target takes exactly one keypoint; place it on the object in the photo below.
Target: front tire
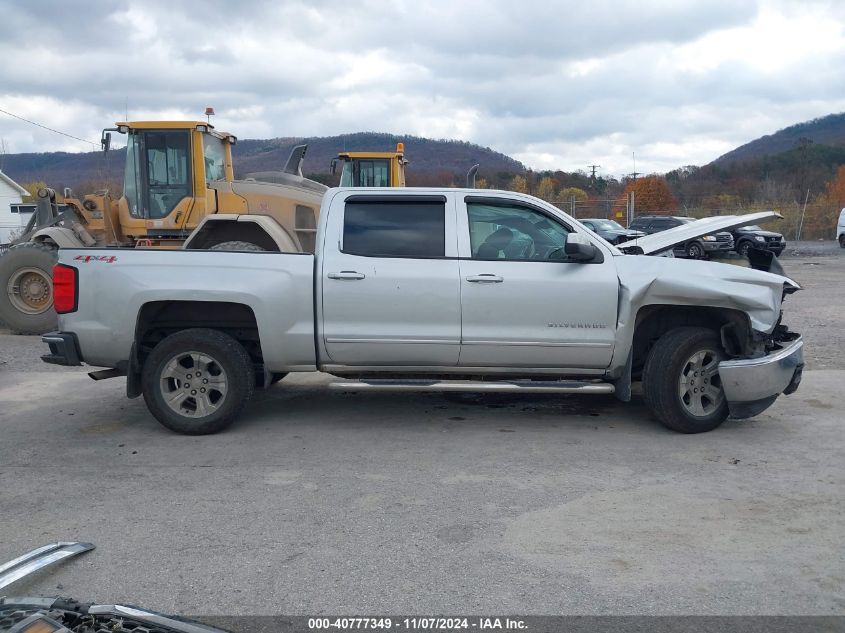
(842, 241)
(743, 248)
(695, 251)
(197, 381)
(26, 288)
(681, 383)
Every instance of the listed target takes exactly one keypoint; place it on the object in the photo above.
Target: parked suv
(611, 231)
(697, 248)
(752, 236)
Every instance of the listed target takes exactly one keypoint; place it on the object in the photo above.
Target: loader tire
(197, 381)
(26, 288)
(236, 245)
(681, 383)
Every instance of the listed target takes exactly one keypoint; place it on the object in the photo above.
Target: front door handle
(347, 274)
(485, 278)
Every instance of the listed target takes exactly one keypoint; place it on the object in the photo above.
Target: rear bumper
(64, 349)
(751, 385)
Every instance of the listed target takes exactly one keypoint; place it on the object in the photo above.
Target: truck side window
(513, 232)
(395, 229)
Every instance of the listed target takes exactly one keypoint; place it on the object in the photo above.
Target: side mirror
(578, 248)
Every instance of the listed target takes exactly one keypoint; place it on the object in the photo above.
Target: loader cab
(170, 167)
(372, 169)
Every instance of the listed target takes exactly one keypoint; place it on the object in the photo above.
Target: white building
(10, 194)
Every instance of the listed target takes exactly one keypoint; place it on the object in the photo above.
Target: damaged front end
(764, 358)
(773, 365)
(38, 614)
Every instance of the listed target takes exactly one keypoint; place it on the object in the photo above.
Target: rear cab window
(405, 227)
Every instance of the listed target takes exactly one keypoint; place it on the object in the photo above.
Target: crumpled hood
(667, 281)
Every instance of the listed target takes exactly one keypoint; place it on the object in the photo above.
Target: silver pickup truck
(430, 289)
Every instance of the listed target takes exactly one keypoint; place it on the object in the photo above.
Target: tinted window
(639, 224)
(395, 229)
(663, 223)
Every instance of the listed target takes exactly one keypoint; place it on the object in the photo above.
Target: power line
(48, 128)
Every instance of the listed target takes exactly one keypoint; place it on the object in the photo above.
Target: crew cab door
(390, 285)
(522, 306)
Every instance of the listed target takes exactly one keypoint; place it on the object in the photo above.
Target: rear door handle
(485, 278)
(347, 274)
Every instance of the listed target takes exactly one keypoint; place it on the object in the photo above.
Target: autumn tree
(519, 183)
(32, 188)
(573, 192)
(547, 188)
(836, 188)
(652, 194)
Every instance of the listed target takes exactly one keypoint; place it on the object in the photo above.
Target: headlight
(759, 238)
(709, 238)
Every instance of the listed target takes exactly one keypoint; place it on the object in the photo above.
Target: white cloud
(558, 85)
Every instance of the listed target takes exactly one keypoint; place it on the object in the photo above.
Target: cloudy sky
(557, 85)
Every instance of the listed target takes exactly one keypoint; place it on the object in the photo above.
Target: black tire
(231, 367)
(695, 251)
(842, 241)
(743, 247)
(277, 377)
(236, 245)
(668, 363)
(32, 263)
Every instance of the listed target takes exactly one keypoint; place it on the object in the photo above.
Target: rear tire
(197, 381)
(236, 245)
(842, 241)
(26, 288)
(681, 382)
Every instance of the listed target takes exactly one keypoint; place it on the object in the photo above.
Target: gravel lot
(320, 501)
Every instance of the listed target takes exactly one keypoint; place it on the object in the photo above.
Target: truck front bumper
(64, 349)
(751, 385)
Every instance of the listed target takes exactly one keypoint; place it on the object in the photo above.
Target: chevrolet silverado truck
(431, 290)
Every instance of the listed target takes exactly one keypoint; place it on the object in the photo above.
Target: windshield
(750, 227)
(607, 225)
(365, 173)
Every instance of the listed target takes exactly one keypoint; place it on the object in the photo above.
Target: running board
(521, 386)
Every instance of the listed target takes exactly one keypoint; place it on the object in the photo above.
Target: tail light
(65, 288)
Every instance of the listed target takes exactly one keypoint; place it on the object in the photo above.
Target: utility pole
(593, 171)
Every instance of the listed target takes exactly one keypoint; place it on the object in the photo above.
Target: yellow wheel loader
(177, 173)
(372, 169)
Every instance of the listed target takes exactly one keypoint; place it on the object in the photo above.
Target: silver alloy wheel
(30, 290)
(744, 248)
(193, 384)
(699, 386)
(695, 251)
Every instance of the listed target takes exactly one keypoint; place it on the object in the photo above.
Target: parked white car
(840, 229)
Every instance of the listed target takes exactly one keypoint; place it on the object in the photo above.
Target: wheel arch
(58, 236)
(260, 230)
(652, 321)
(159, 319)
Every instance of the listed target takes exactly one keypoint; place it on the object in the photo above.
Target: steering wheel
(550, 254)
